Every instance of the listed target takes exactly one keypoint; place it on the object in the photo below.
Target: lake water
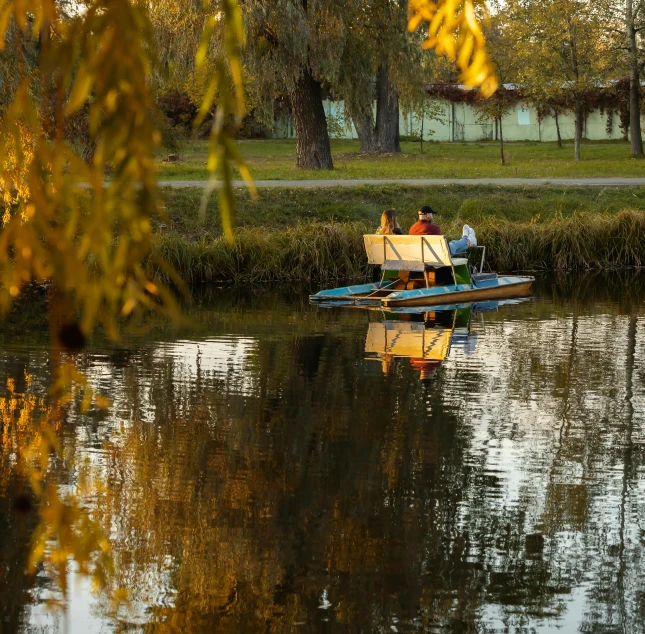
(279, 467)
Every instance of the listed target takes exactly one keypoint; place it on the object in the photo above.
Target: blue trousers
(457, 247)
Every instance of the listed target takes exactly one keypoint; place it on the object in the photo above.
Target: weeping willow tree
(304, 47)
(84, 228)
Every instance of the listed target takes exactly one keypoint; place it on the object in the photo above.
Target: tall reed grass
(314, 252)
(323, 253)
(583, 241)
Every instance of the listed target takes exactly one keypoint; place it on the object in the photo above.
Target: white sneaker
(469, 233)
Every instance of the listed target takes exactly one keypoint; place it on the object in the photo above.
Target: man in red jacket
(424, 226)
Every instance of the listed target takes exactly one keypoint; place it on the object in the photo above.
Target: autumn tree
(303, 47)
(634, 23)
(382, 65)
(560, 44)
(502, 49)
(296, 47)
(624, 23)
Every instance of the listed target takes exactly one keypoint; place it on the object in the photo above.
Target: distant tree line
(568, 56)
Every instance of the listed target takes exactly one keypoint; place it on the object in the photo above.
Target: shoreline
(318, 252)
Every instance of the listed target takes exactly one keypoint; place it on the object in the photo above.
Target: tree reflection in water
(261, 474)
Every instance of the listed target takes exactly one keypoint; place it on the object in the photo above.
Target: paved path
(423, 182)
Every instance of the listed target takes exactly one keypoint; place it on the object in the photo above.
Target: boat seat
(409, 253)
(416, 265)
(403, 265)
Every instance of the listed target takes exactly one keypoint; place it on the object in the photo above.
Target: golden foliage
(29, 445)
(88, 238)
(455, 31)
(227, 88)
(16, 153)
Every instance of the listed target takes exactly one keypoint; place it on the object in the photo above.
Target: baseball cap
(426, 209)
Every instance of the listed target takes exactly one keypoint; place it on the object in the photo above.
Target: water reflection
(263, 472)
(423, 337)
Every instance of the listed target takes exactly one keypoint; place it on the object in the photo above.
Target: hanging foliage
(81, 224)
(455, 31)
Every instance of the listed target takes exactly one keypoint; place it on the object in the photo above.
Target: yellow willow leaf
(226, 201)
(478, 62)
(245, 173)
(429, 43)
(128, 307)
(80, 91)
(39, 541)
(435, 23)
(236, 74)
(414, 22)
(213, 162)
(446, 45)
(234, 21)
(471, 20)
(110, 100)
(21, 16)
(207, 101)
(489, 86)
(225, 210)
(233, 154)
(465, 51)
(425, 8)
(202, 51)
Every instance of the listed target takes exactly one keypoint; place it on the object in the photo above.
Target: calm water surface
(278, 467)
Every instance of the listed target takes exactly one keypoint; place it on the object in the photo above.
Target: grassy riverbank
(276, 159)
(280, 208)
(324, 253)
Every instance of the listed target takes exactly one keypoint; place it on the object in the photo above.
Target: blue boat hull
(350, 292)
(504, 287)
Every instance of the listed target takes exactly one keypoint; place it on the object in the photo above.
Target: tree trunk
(422, 118)
(501, 141)
(387, 113)
(365, 131)
(578, 107)
(557, 126)
(313, 151)
(636, 137)
(578, 131)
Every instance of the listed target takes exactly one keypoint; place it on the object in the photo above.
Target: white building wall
(461, 122)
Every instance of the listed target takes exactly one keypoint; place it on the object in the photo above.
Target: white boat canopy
(409, 253)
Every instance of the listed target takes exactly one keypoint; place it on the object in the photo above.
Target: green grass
(311, 253)
(305, 236)
(275, 159)
(283, 207)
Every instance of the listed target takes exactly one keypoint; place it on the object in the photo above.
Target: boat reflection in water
(425, 337)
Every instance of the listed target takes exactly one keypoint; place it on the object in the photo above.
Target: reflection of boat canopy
(408, 339)
(426, 340)
(419, 271)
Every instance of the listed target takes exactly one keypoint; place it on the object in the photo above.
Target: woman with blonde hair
(389, 225)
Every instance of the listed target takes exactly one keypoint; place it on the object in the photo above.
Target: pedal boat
(419, 271)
